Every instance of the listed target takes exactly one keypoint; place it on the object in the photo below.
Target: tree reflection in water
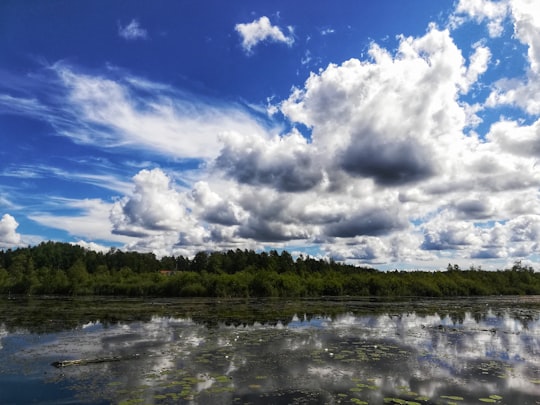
(280, 352)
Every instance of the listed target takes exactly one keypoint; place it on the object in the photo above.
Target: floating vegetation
(452, 397)
(491, 399)
(224, 379)
(343, 351)
(399, 401)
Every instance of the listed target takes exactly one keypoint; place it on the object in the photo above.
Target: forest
(55, 268)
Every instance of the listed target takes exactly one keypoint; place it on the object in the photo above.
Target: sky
(397, 135)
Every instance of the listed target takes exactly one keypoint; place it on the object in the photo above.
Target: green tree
(79, 280)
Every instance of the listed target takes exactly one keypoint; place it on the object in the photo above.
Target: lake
(326, 351)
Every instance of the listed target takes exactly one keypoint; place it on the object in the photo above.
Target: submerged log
(82, 362)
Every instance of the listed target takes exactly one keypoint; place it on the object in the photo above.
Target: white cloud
(391, 114)
(478, 63)
(22, 106)
(521, 140)
(105, 181)
(446, 232)
(96, 247)
(513, 91)
(159, 216)
(387, 148)
(494, 12)
(286, 163)
(154, 206)
(527, 29)
(119, 113)
(327, 31)
(391, 172)
(262, 30)
(515, 238)
(216, 209)
(132, 31)
(9, 238)
(90, 220)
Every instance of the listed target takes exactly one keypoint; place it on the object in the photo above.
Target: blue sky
(392, 134)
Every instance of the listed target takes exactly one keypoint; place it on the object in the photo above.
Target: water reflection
(282, 352)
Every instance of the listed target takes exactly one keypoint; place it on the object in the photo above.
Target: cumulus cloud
(475, 208)
(384, 118)
(262, 30)
(517, 237)
(521, 140)
(165, 220)
(525, 228)
(264, 230)
(286, 163)
(392, 169)
(154, 206)
(478, 62)
(369, 222)
(527, 28)
(400, 246)
(513, 91)
(446, 232)
(9, 237)
(388, 173)
(396, 163)
(132, 31)
(216, 209)
(494, 12)
(96, 247)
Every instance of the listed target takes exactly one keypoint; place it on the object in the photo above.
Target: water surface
(332, 351)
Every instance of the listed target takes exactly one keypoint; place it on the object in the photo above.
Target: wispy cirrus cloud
(41, 171)
(166, 121)
(113, 110)
(87, 218)
(19, 105)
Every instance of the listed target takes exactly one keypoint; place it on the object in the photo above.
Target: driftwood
(82, 362)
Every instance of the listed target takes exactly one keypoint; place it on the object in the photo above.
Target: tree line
(55, 268)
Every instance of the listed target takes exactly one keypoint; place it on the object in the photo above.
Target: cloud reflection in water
(406, 353)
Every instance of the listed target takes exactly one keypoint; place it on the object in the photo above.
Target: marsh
(324, 351)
